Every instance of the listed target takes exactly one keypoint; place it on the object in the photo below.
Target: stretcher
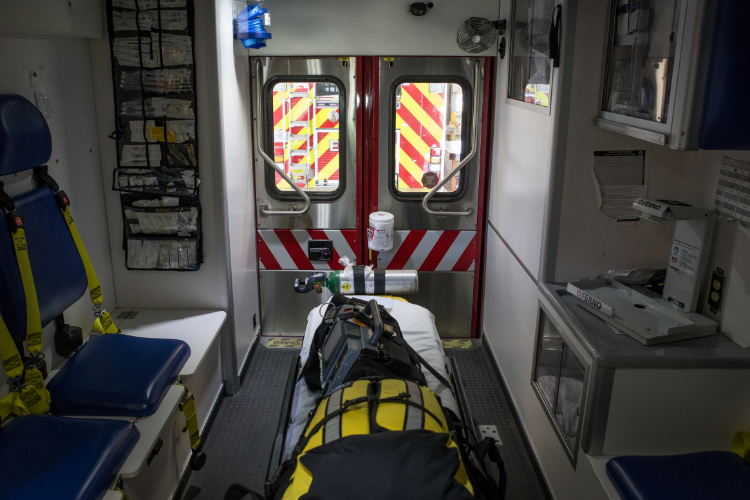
(418, 328)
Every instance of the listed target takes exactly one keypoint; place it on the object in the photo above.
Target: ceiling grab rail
(264, 155)
(465, 161)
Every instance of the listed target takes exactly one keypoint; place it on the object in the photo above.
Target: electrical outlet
(490, 431)
(716, 290)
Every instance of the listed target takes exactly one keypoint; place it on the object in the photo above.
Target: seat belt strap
(27, 395)
(103, 322)
(187, 406)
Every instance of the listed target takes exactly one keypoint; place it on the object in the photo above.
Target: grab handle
(377, 321)
(264, 155)
(465, 161)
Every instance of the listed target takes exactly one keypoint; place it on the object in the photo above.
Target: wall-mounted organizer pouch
(153, 72)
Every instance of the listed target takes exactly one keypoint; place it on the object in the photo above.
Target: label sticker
(346, 286)
(589, 299)
(684, 258)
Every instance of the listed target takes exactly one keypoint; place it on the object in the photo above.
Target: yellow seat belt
(27, 393)
(103, 322)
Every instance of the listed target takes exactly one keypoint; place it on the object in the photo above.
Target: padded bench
(693, 476)
(44, 456)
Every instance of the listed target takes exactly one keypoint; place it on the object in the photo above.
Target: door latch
(320, 250)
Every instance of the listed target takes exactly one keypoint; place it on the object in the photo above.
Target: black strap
(311, 370)
(372, 400)
(379, 281)
(554, 36)
(359, 280)
(403, 343)
(487, 448)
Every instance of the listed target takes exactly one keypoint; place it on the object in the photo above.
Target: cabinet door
(559, 380)
(642, 58)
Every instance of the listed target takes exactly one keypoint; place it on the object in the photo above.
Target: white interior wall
(730, 247)
(364, 27)
(589, 241)
(64, 64)
(520, 165)
(202, 289)
(236, 145)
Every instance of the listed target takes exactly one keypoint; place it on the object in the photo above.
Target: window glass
(428, 138)
(530, 64)
(641, 58)
(306, 141)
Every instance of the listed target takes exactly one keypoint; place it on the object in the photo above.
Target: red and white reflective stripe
(430, 251)
(287, 249)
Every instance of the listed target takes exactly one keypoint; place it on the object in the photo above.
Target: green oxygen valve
(360, 280)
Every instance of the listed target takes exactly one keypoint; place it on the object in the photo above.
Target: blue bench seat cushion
(44, 456)
(704, 475)
(117, 375)
(25, 140)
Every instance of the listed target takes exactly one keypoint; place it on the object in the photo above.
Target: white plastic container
(380, 232)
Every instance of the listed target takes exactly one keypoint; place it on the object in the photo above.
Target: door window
(307, 138)
(429, 138)
(530, 74)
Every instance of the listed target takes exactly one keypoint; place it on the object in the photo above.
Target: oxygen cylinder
(394, 282)
(361, 280)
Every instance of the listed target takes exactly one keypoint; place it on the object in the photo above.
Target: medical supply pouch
(375, 439)
(357, 340)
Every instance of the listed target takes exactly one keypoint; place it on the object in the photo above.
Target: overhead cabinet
(656, 70)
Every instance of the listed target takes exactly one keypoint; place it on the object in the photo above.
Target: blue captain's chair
(111, 375)
(79, 458)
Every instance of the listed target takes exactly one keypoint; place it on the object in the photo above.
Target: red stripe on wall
(291, 245)
(439, 250)
(265, 255)
(406, 249)
(351, 237)
(464, 262)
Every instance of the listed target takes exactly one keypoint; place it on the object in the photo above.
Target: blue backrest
(25, 140)
(59, 275)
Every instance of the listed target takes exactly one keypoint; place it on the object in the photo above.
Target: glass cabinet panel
(530, 65)
(641, 58)
(559, 379)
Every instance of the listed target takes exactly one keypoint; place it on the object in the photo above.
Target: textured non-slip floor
(239, 443)
(488, 405)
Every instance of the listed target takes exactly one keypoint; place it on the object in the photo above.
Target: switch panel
(320, 250)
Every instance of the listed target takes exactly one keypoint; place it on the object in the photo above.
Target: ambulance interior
(345, 249)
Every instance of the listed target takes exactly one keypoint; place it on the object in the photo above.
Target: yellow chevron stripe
(298, 109)
(415, 109)
(415, 141)
(406, 163)
(322, 116)
(435, 98)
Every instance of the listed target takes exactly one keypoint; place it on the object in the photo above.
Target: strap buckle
(62, 199)
(43, 178)
(18, 383)
(15, 220)
(5, 200)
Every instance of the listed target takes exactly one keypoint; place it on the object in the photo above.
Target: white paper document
(732, 199)
(620, 178)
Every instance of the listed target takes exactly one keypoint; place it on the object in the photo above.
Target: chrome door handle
(465, 161)
(264, 155)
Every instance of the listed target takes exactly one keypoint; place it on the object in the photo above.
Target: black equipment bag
(394, 358)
